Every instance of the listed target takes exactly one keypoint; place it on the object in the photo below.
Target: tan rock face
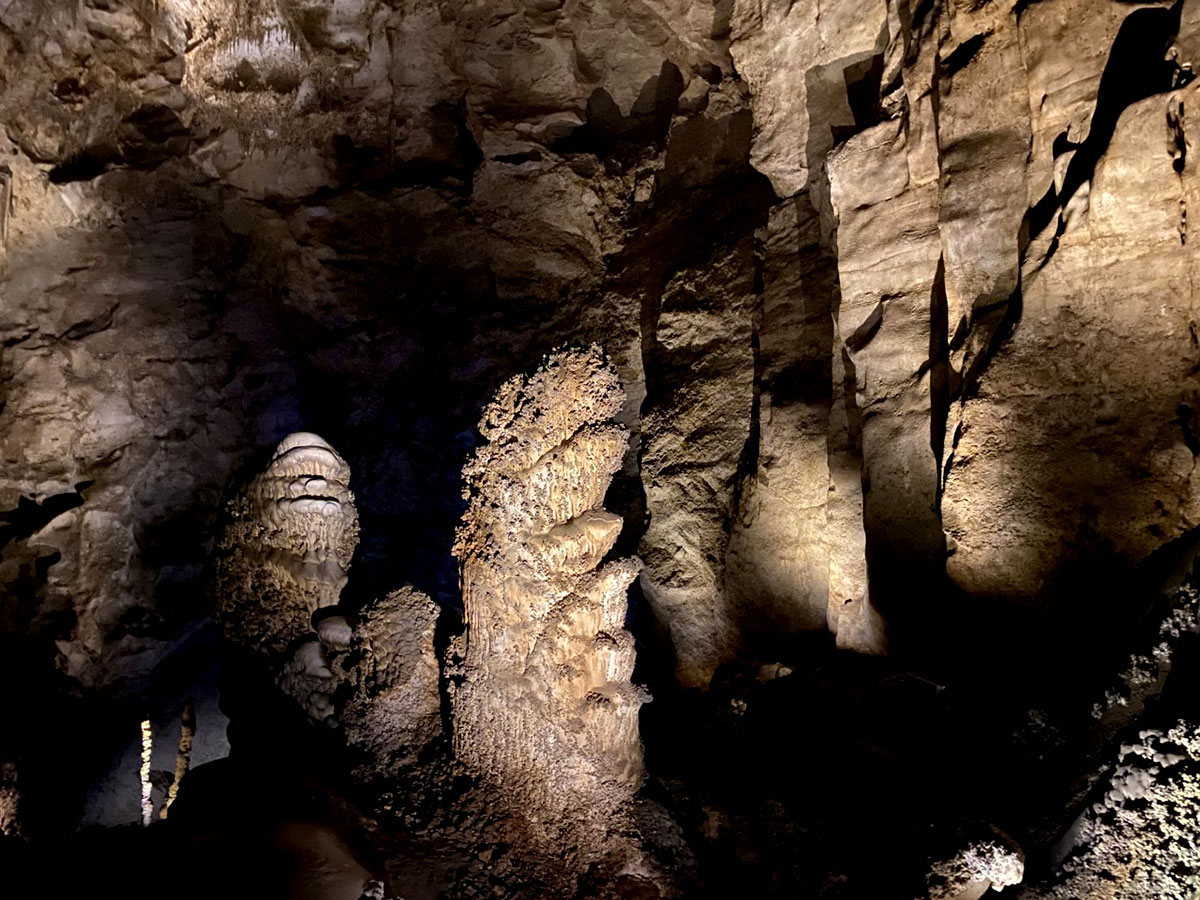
(972, 253)
(546, 712)
(1104, 417)
(693, 438)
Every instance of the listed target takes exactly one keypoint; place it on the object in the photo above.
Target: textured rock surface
(694, 436)
(900, 293)
(284, 552)
(281, 558)
(1136, 840)
(545, 711)
(982, 864)
(394, 710)
(10, 801)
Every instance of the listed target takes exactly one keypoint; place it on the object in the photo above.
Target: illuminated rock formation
(394, 709)
(1136, 840)
(262, 49)
(985, 862)
(285, 550)
(282, 559)
(10, 801)
(546, 712)
(282, 556)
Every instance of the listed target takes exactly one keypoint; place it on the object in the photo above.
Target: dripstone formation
(285, 552)
(393, 709)
(282, 558)
(545, 711)
(890, 443)
(278, 574)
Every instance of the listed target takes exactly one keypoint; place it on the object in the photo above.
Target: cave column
(889, 263)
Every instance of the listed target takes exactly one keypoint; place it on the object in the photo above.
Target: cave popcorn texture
(282, 556)
(546, 712)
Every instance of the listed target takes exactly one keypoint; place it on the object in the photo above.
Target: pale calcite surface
(546, 712)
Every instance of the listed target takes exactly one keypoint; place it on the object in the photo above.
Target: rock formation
(394, 704)
(900, 293)
(545, 711)
(10, 801)
(285, 551)
(282, 557)
(281, 561)
(989, 862)
(1136, 840)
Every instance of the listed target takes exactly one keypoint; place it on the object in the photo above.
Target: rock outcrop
(545, 712)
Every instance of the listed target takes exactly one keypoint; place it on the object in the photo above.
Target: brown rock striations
(692, 445)
(545, 712)
(953, 152)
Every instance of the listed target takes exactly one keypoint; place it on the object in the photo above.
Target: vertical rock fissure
(748, 461)
(939, 369)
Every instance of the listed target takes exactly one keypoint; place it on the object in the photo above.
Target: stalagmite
(393, 711)
(546, 712)
(283, 555)
(10, 801)
(287, 546)
(183, 757)
(144, 773)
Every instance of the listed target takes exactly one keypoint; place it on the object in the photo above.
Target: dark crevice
(1189, 425)
(31, 516)
(939, 368)
(998, 323)
(1022, 5)
(747, 466)
(861, 336)
(863, 81)
(146, 138)
(1038, 217)
(607, 133)
(854, 415)
(450, 163)
(961, 56)
(85, 165)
